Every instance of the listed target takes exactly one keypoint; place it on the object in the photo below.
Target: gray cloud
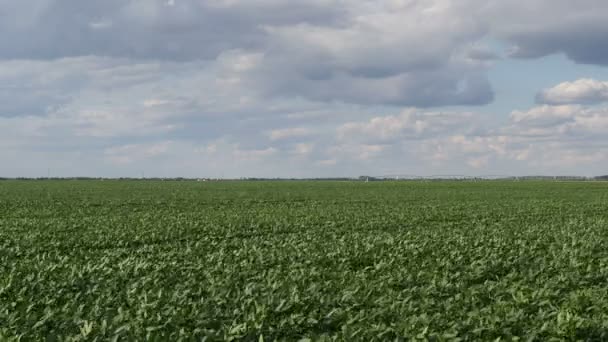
(155, 29)
(538, 28)
(370, 52)
(294, 88)
(411, 53)
(445, 86)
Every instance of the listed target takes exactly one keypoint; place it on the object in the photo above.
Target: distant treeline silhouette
(360, 178)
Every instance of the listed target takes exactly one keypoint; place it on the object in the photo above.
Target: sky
(303, 88)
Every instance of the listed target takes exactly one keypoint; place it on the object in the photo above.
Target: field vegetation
(264, 261)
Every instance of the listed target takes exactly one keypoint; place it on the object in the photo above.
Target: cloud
(254, 154)
(542, 139)
(450, 86)
(155, 29)
(360, 152)
(313, 87)
(286, 133)
(303, 149)
(382, 52)
(410, 124)
(413, 53)
(482, 53)
(536, 140)
(545, 116)
(538, 28)
(478, 162)
(127, 154)
(582, 91)
(560, 122)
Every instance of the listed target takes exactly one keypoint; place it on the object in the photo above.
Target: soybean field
(303, 260)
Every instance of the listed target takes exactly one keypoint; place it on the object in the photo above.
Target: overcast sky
(303, 88)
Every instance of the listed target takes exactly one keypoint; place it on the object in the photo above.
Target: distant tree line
(360, 178)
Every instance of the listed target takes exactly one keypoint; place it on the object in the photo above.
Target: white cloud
(254, 154)
(287, 133)
(101, 24)
(534, 141)
(573, 143)
(356, 152)
(410, 124)
(127, 154)
(154, 102)
(295, 87)
(479, 162)
(327, 162)
(560, 121)
(582, 91)
(303, 149)
(545, 116)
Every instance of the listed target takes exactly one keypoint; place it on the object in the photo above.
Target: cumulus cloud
(126, 154)
(538, 28)
(369, 52)
(582, 91)
(287, 133)
(543, 139)
(381, 52)
(303, 149)
(410, 124)
(176, 30)
(545, 116)
(92, 102)
(560, 121)
(291, 87)
(338, 29)
(540, 138)
(397, 53)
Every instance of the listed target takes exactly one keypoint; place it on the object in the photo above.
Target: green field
(85, 260)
